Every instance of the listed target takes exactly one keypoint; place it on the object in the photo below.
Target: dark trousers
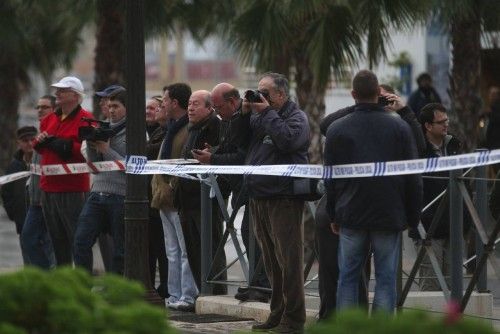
(191, 228)
(259, 278)
(101, 212)
(158, 255)
(35, 240)
(279, 231)
(61, 211)
(106, 247)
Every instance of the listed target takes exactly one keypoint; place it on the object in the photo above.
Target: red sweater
(67, 129)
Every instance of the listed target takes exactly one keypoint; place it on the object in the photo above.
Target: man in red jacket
(63, 196)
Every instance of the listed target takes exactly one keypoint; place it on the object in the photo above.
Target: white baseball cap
(70, 82)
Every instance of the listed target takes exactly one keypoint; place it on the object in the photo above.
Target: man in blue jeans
(103, 210)
(35, 240)
(374, 209)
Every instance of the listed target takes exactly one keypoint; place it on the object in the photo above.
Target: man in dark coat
(374, 209)
(234, 138)
(424, 94)
(280, 135)
(14, 194)
(203, 130)
(439, 143)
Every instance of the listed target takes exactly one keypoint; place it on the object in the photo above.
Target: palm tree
(160, 18)
(466, 21)
(317, 39)
(37, 36)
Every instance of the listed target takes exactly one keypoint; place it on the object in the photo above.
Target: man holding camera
(63, 196)
(280, 136)
(104, 208)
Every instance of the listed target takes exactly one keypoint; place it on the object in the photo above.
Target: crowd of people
(357, 217)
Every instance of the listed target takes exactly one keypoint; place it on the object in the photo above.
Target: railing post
(206, 237)
(456, 236)
(482, 211)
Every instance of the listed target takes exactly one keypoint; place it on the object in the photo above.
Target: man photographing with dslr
(103, 210)
(280, 135)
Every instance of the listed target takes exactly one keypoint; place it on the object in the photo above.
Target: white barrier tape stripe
(390, 168)
(13, 177)
(312, 171)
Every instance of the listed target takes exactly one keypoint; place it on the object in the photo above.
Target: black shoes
(246, 294)
(265, 326)
(282, 328)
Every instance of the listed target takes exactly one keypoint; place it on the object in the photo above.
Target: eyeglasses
(442, 122)
(42, 107)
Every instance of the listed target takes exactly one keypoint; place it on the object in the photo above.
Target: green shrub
(409, 322)
(69, 300)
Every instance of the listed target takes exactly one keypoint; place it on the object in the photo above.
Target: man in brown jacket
(173, 115)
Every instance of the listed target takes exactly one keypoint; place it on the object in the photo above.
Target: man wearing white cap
(63, 196)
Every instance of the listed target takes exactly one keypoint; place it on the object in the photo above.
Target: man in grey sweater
(103, 210)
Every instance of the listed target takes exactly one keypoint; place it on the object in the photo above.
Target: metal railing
(456, 195)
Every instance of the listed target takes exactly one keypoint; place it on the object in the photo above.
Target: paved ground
(10, 260)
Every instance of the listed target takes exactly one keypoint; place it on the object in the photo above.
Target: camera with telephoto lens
(254, 95)
(93, 133)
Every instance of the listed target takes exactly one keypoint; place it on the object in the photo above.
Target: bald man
(234, 136)
(203, 132)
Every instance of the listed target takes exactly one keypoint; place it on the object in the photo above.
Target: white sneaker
(182, 305)
(171, 304)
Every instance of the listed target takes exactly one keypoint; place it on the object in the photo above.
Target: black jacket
(278, 137)
(422, 96)
(433, 187)
(234, 138)
(389, 203)
(493, 130)
(406, 114)
(187, 193)
(14, 194)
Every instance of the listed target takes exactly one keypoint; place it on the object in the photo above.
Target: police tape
(182, 167)
(369, 169)
(13, 177)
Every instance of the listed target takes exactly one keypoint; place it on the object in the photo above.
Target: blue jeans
(35, 240)
(101, 212)
(181, 284)
(353, 248)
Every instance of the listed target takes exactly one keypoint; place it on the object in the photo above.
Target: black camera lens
(253, 96)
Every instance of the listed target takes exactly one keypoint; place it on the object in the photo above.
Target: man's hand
(395, 102)
(99, 145)
(335, 228)
(203, 156)
(41, 136)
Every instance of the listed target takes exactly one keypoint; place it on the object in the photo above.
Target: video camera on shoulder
(94, 133)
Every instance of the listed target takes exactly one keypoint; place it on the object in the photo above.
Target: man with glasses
(63, 196)
(234, 137)
(434, 120)
(35, 240)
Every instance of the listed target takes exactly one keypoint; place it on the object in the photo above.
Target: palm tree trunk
(465, 79)
(109, 50)
(312, 100)
(9, 105)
